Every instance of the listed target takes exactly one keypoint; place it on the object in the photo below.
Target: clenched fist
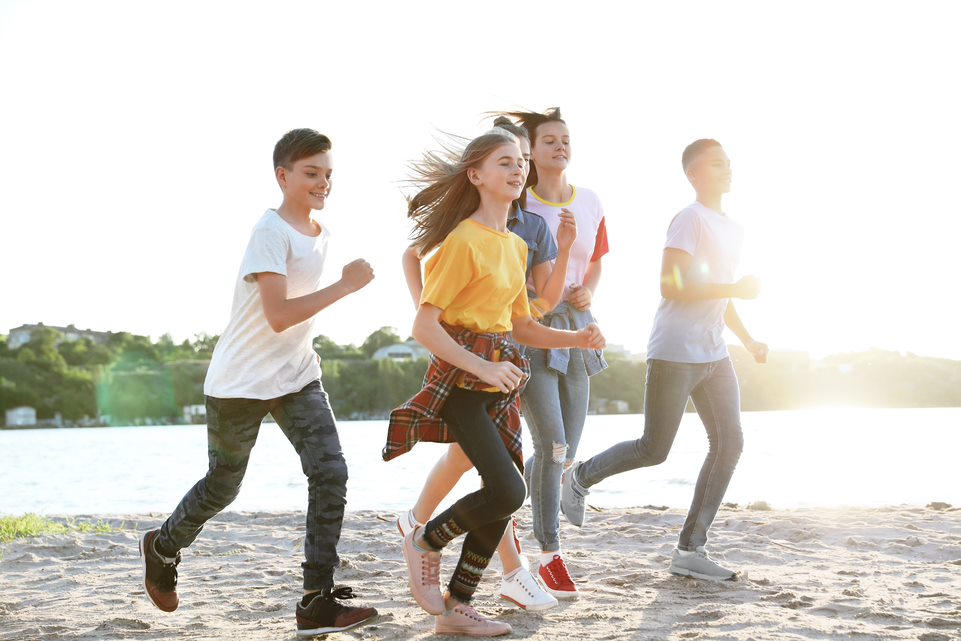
(356, 274)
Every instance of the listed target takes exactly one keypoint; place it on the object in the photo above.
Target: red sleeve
(600, 242)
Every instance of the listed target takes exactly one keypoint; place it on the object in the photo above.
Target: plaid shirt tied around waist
(419, 418)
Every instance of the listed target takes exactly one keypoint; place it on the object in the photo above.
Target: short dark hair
(297, 144)
(693, 149)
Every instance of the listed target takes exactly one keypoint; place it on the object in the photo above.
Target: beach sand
(891, 573)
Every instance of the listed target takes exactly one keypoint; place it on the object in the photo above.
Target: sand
(891, 573)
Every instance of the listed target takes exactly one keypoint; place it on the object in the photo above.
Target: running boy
(264, 363)
(687, 357)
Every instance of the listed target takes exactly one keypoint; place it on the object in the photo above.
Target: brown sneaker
(423, 570)
(322, 614)
(159, 574)
(463, 619)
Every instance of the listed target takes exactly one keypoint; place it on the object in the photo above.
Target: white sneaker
(699, 565)
(406, 522)
(523, 590)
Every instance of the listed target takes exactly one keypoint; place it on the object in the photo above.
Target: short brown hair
(693, 149)
(297, 144)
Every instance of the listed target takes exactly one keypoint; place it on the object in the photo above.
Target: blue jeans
(713, 387)
(555, 407)
(308, 423)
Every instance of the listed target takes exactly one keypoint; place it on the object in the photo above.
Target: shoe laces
(430, 570)
(558, 571)
(467, 610)
(167, 572)
(338, 593)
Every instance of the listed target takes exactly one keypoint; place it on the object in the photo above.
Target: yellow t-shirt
(477, 277)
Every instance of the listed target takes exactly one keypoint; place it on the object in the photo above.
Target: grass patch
(20, 527)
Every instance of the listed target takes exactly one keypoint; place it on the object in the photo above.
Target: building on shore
(20, 336)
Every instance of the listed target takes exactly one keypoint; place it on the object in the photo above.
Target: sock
(547, 557)
(510, 575)
(161, 551)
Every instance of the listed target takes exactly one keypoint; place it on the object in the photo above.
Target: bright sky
(136, 139)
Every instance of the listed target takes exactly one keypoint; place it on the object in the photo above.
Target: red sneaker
(557, 580)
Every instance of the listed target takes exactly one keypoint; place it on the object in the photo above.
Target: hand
(357, 274)
(758, 351)
(503, 375)
(580, 297)
(747, 288)
(591, 337)
(567, 230)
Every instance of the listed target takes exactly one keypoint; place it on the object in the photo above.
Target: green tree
(381, 338)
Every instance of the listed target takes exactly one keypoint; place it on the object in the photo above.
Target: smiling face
(306, 184)
(710, 172)
(551, 150)
(500, 176)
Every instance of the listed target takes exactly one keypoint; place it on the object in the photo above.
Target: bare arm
(283, 313)
(675, 264)
(529, 332)
(427, 331)
(582, 296)
(412, 274)
(733, 320)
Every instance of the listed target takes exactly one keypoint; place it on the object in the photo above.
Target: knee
(651, 452)
(223, 485)
(556, 455)
(331, 476)
(510, 493)
(515, 493)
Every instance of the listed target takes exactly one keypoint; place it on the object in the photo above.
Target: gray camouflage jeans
(232, 427)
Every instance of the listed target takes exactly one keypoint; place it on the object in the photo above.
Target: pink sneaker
(423, 571)
(461, 618)
(557, 580)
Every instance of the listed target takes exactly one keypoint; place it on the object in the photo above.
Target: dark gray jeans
(232, 427)
(713, 387)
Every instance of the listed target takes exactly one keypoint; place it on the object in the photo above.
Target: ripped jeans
(555, 408)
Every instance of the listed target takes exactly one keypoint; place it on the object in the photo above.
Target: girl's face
(501, 174)
(526, 152)
(552, 147)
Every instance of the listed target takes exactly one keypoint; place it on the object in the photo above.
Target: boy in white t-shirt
(687, 357)
(265, 363)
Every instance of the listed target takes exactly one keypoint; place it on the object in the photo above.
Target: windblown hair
(695, 148)
(447, 196)
(297, 144)
(503, 122)
(530, 121)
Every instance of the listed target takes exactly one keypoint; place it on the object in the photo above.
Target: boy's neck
(711, 201)
(298, 218)
(553, 187)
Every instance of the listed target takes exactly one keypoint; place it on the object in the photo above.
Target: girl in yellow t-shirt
(474, 297)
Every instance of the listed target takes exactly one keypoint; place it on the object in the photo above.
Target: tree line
(134, 379)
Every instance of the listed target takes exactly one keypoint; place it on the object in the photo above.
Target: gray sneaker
(572, 496)
(699, 565)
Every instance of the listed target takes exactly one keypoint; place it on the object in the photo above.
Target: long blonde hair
(447, 196)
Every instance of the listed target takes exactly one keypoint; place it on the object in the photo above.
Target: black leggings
(483, 515)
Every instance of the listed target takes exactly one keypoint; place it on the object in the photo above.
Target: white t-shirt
(251, 360)
(588, 213)
(693, 332)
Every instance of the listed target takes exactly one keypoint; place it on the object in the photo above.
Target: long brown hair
(531, 120)
(447, 196)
